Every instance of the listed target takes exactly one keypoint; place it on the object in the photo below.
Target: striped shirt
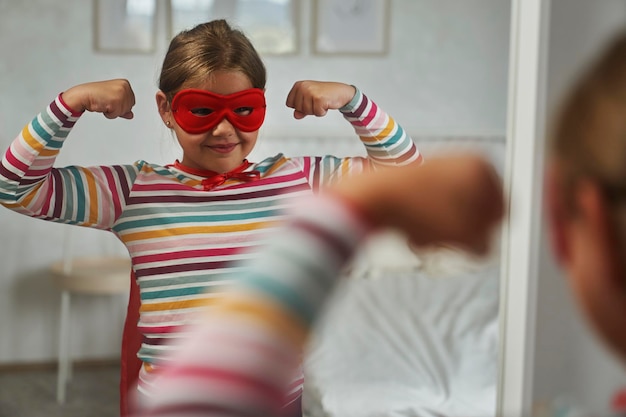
(184, 242)
(237, 360)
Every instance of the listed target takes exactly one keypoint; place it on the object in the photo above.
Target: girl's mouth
(226, 148)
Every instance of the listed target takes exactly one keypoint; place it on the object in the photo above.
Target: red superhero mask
(198, 111)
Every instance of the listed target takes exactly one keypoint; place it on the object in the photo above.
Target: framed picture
(350, 27)
(271, 25)
(124, 26)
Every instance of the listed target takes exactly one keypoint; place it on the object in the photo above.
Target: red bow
(214, 179)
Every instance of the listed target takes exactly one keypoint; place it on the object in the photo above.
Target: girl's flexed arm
(30, 185)
(386, 141)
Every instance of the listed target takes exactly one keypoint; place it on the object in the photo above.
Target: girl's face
(584, 244)
(223, 147)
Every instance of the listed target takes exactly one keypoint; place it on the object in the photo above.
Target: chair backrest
(100, 273)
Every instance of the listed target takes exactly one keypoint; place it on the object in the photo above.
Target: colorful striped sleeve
(240, 359)
(385, 141)
(30, 185)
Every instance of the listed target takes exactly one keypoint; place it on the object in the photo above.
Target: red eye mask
(198, 111)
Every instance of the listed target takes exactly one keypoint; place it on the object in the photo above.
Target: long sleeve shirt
(185, 242)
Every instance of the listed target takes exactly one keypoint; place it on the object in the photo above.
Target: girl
(185, 223)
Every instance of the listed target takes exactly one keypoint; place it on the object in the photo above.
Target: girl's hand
(113, 98)
(317, 97)
(448, 200)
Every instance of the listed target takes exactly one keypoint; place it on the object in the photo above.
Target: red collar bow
(214, 179)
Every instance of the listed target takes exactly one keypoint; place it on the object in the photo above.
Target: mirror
(549, 352)
(421, 329)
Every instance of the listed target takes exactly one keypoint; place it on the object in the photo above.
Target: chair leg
(69, 363)
(64, 344)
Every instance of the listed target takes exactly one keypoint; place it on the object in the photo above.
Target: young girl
(185, 223)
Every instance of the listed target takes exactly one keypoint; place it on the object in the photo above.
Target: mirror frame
(526, 126)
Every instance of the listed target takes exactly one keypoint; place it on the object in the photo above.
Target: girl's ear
(163, 106)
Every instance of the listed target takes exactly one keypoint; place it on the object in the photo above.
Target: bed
(407, 335)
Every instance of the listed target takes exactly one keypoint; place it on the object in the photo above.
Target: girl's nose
(223, 128)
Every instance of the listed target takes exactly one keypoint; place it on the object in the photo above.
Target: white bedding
(407, 344)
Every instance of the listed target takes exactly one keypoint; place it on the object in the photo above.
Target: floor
(93, 391)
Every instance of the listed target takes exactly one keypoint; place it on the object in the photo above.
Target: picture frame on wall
(350, 27)
(272, 26)
(124, 26)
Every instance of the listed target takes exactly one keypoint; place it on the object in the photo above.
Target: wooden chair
(95, 276)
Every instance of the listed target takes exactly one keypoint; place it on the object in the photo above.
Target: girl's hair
(193, 55)
(589, 136)
(589, 140)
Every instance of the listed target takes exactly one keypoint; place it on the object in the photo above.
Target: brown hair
(212, 46)
(589, 136)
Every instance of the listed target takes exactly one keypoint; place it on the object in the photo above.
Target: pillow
(384, 251)
(390, 251)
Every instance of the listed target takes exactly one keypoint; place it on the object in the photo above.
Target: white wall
(570, 365)
(445, 74)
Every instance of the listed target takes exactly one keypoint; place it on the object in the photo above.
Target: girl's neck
(210, 172)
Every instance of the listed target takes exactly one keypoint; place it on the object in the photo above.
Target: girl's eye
(243, 111)
(201, 111)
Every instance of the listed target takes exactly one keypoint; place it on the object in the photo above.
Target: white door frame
(523, 180)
